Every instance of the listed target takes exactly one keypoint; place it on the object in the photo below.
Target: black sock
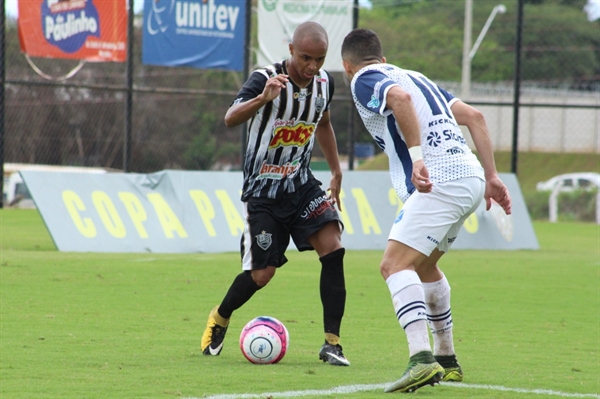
(333, 290)
(447, 361)
(241, 290)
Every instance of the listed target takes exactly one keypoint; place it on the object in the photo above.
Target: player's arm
(240, 112)
(400, 102)
(474, 120)
(328, 143)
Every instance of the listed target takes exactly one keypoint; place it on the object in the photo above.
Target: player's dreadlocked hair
(361, 45)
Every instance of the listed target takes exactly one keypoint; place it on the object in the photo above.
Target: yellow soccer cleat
(214, 334)
(422, 370)
(452, 370)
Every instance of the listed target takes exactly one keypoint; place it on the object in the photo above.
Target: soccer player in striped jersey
(287, 106)
(441, 182)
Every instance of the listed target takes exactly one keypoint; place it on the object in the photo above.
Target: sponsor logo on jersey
(302, 95)
(433, 240)
(317, 207)
(278, 172)
(374, 103)
(264, 240)
(400, 215)
(455, 150)
(297, 134)
(442, 121)
(380, 142)
(450, 135)
(321, 79)
(433, 139)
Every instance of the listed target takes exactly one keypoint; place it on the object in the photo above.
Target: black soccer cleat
(333, 355)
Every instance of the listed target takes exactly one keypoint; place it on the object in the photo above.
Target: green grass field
(86, 325)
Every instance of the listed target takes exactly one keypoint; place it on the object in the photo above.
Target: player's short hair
(311, 30)
(361, 45)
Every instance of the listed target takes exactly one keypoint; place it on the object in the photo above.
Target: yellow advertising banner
(185, 212)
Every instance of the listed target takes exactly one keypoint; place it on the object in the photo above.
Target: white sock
(417, 337)
(409, 303)
(439, 316)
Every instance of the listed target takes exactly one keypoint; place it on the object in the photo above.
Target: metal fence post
(3, 78)
(517, 93)
(129, 90)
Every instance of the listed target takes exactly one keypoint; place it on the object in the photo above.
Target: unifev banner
(184, 211)
(207, 34)
(277, 20)
(92, 30)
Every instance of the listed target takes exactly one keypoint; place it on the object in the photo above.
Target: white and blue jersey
(445, 151)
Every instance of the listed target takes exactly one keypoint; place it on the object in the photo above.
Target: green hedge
(572, 206)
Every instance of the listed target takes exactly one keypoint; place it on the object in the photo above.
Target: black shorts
(269, 225)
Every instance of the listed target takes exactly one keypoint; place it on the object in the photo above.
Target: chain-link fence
(177, 119)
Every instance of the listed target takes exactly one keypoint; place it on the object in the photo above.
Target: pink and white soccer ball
(264, 340)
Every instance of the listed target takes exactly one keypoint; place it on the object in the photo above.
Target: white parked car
(571, 182)
(16, 193)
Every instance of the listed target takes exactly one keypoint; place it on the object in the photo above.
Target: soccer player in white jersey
(287, 106)
(441, 182)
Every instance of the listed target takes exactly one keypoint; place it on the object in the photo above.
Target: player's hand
(496, 190)
(420, 177)
(335, 186)
(273, 87)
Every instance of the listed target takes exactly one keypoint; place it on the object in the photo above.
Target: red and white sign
(92, 30)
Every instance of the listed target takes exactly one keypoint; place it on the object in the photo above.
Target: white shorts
(433, 220)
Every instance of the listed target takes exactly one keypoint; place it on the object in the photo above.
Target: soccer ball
(264, 340)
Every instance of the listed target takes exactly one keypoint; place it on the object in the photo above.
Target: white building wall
(541, 129)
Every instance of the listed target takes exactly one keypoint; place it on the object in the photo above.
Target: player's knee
(263, 276)
(389, 266)
(326, 240)
(386, 268)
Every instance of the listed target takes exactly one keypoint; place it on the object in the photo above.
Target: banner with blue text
(185, 211)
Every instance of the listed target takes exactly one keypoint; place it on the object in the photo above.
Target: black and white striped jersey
(281, 134)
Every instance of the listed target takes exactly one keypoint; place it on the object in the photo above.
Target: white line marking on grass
(372, 387)
(520, 390)
(296, 394)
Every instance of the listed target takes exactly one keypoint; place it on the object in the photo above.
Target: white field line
(372, 387)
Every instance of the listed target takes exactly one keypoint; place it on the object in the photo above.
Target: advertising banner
(186, 212)
(92, 30)
(207, 34)
(277, 20)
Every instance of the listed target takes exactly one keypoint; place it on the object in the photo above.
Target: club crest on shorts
(264, 240)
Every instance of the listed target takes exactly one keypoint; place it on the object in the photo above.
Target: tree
(559, 43)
